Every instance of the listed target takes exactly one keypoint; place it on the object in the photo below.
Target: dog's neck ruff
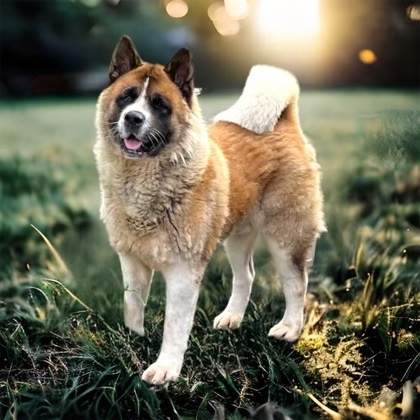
(267, 93)
(150, 189)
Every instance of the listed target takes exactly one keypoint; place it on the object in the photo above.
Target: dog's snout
(134, 119)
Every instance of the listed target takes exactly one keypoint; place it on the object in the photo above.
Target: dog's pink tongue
(132, 143)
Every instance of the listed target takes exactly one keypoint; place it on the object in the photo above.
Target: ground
(65, 352)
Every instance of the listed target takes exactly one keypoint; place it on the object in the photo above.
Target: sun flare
(288, 17)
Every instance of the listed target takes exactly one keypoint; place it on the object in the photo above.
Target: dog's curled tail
(269, 93)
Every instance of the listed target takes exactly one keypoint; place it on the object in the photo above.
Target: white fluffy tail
(268, 92)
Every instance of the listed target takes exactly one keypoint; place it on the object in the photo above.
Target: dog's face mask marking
(144, 123)
(142, 117)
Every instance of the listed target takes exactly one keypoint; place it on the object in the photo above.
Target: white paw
(160, 373)
(228, 320)
(286, 331)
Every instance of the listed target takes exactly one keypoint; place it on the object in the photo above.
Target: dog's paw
(160, 373)
(286, 331)
(228, 320)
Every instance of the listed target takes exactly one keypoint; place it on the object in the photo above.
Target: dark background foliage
(63, 46)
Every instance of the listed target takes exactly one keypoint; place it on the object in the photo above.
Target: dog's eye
(161, 104)
(127, 97)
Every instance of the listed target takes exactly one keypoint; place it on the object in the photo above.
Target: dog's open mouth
(135, 147)
(132, 143)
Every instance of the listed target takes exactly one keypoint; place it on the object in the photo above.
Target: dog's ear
(181, 71)
(124, 58)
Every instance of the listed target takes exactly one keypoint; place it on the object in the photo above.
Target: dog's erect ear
(181, 71)
(124, 58)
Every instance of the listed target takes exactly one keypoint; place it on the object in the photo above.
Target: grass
(65, 353)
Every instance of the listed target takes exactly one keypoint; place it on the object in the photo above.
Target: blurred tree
(44, 43)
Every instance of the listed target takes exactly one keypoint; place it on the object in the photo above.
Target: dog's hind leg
(291, 267)
(239, 249)
(137, 279)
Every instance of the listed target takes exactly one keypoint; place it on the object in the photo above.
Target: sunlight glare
(288, 17)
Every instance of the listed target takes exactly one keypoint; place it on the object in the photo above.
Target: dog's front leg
(182, 287)
(137, 279)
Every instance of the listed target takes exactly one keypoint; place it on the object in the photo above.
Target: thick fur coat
(172, 189)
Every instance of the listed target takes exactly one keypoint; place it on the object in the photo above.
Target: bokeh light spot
(237, 9)
(413, 12)
(367, 56)
(212, 10)
(224, 24)
(177, 8)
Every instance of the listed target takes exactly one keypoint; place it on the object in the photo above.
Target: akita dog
(173, 188)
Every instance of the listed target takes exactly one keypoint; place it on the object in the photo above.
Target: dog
(173, 188)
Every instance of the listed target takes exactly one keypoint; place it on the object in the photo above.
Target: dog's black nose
(134, 119)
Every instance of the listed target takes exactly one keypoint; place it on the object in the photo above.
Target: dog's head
(146, 106)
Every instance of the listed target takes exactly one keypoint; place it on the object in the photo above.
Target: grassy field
(65, 353)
